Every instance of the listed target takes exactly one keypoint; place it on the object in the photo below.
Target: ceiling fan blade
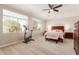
(49, 11)
(56, 10)
(46, 9)
(58, 6)
(50, 6)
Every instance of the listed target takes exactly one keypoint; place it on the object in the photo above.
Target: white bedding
(55, 35)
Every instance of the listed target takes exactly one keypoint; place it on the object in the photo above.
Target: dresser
(76, 38)
(69, 35)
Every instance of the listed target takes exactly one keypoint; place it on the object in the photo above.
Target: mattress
(54, 35)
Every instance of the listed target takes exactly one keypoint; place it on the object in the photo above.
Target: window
(37, 24)
(13, 22)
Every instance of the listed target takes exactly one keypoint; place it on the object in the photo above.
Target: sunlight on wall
(49, 28)
(67, 27)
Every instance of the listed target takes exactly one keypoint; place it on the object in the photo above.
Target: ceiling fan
(53, 8)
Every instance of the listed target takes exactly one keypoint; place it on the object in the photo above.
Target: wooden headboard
(57, 27)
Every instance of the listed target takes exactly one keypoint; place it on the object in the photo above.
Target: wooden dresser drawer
(69, 35)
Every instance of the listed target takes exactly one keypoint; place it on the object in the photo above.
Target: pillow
(57, 30)
(54, 30)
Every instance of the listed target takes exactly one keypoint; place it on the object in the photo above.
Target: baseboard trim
(11, 43)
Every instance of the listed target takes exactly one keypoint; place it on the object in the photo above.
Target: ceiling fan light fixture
(51, 10)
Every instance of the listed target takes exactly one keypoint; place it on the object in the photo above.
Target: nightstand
(69, 35)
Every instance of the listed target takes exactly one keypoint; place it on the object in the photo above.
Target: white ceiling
(67, 10)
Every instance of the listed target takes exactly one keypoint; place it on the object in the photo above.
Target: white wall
(32, 24)
(68, 23)
(1, 19)
(6, 38)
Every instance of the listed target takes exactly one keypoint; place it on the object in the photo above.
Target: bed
(56, 34)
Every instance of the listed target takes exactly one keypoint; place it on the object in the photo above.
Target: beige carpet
(40, 47)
